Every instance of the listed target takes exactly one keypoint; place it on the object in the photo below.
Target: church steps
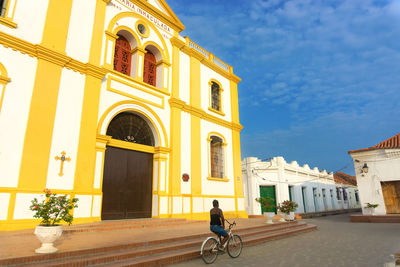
(162, 251)
(178, 256)
(122, 225)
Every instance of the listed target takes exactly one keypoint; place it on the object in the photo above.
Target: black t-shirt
(215, 219)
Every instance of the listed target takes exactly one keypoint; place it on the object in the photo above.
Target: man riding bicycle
(217, 223)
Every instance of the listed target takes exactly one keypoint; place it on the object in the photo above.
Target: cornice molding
(177, 42)
(44, 53)
(207, 62)
(8, 22)
(4, 80)
(177, 103)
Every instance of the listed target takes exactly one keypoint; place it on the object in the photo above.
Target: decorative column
(176, 110)
(160, 184)
(162, 71)
(110, 50)
(138, 63)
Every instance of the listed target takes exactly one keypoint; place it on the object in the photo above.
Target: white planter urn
(269, 216)
(282, 215)
(47, 235)
(290, 216)
(372, 211)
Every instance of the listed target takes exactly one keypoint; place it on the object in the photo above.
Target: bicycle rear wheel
(235, 246)
(209, 250)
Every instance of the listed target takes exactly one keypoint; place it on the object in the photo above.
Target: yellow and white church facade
(104, 101)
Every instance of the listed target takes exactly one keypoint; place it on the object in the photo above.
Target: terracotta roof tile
(343, 178)
(392, 142)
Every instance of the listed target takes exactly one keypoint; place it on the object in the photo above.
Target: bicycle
(209, 248)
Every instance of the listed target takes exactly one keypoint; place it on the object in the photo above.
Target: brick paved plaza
(337, 242)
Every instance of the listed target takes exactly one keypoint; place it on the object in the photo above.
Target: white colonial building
(103, 100)
(377, 170)
(312, 189)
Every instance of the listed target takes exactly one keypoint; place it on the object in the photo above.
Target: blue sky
(319, 78)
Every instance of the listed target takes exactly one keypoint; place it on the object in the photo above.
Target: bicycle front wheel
(235, 246)
(209, 250)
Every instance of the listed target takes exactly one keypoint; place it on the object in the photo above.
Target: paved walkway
(337, 242)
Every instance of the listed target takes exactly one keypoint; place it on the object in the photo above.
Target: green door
(268, 191)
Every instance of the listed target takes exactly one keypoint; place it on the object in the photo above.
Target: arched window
(217, 157)
(215, 96)
(149, 71)
(132, 128)
(122, 56)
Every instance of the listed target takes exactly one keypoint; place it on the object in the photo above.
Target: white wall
(30, 18)
(383, 165)
(14, 112)
(80, 29)
(66, 130)
(277, 172)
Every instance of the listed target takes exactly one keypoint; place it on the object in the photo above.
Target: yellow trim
(86, 151)
(147, 33)
(97, 35)
(221, 89)
(133, 102)
(39, 130)
(134, 34)
(207, 61)
(121, 15)
(195, 151)
(3, 82)
(174, 102)
(224, 144)
(57, 23)
(217, 179)
(195, 83)
(114, 90)
(131, 146)
(159, 48)
(175, 161)
(8, 23)
(55, 57)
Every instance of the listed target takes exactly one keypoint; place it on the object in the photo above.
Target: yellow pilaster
(237, 167)
(86, 157)
(195, 101)
(38, 136)
(175, 160)
(195, 91)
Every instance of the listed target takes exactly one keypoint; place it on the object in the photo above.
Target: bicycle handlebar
(230, 224)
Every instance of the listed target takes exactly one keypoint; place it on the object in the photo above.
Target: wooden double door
(127, 184)
(391, 196)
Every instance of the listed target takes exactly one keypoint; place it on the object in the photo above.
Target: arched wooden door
(128, 174)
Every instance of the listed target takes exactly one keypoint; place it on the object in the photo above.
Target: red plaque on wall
(185, 177)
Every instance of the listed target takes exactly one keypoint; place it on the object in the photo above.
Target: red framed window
(122, 56)
(150, 71)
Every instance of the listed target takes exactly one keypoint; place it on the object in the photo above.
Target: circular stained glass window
(141, 28)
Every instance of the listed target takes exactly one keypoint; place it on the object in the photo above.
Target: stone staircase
(158, 252)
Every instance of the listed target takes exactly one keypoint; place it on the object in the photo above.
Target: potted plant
(52, 210)
(370, 208)
(268, 205)
(288, 207)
